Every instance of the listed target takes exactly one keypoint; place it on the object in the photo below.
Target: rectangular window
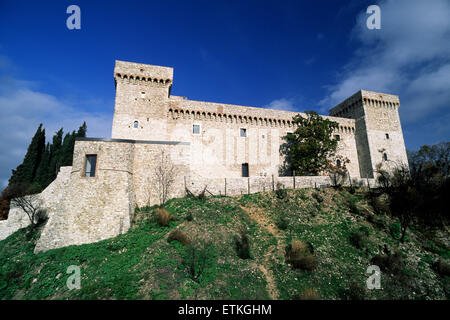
(243, 132)
(91, 162)
(387, 135)
(245, 170)
(337, 137)
(196, 129)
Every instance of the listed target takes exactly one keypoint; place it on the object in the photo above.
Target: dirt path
(260, 217)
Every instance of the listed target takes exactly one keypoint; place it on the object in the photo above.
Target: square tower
(378, 132)
(142, 94)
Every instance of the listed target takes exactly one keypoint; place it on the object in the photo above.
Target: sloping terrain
(339, 229)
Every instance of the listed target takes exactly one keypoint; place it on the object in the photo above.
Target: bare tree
(31, 204)
(164, 176)
(337, 171)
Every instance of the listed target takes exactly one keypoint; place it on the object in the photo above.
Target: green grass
(142, 264)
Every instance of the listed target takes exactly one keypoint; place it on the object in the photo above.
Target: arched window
(385, 158)
(136, 124)
(338, 162)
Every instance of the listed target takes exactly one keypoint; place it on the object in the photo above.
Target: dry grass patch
(179, 236)
(163, 217)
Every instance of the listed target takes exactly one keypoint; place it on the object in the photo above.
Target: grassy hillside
(338, 231)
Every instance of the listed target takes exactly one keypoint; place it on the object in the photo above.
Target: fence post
(248, 181)
(225, 187)
(273, 184)
(294, 178)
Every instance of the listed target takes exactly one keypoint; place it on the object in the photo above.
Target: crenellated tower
(141, 104)
(378, 132)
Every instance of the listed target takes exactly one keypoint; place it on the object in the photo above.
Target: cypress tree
(26, 172)
(42, 174)
(55, 156)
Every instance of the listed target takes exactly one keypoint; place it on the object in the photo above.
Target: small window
(91, 162)
(387, 135)
(337, 137)
(142, 94)
(196, 129)
(385, 158)
(136, 124)
(245, 170)
(243, 132)
(338, 162)
(263, 136)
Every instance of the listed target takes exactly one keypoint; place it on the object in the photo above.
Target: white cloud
(409, 56)
(281, 104)
(22, 108)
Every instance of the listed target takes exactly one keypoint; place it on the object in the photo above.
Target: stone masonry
(209, 145)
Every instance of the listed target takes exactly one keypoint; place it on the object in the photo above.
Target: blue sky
(292, 55)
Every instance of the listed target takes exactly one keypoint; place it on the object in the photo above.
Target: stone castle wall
(218, 150)
(50, 199)
(148, 122)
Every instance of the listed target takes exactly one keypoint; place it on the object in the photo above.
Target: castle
(228, 148)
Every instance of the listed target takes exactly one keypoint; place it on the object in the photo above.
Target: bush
(309, 294)
(198, 258)
(180, 236)
(442, 267)
(380, 204)
(355, 292)
(307, 262)
(300, 256)
(282, 223)
(318, 197)
(357, 239)
(163, 217)
(280, 192)
(189, 216)
(392, 263)
(353, 207)
(396, 230)
(242, 246)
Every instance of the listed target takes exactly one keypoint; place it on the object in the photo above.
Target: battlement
(348, 107)
(143, 73)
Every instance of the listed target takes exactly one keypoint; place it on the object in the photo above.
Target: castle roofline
(366, 95)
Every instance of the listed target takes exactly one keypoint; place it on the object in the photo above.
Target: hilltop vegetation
(288, 244)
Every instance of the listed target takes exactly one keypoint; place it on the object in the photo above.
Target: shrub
(189, 216)
(307, 262)
(390, 262)
(180, 236)
(300, 256)
(242, 246)
(396, 230)
(352, 206)
(282, 223)
(163, 217)
(281, 193)
(380, 204)
(355, 292)
(357, 239)
(442, 267)
(309, 294)
(198, 258)
(318, 197)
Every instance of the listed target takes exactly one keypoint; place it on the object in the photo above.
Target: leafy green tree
(308, 149)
